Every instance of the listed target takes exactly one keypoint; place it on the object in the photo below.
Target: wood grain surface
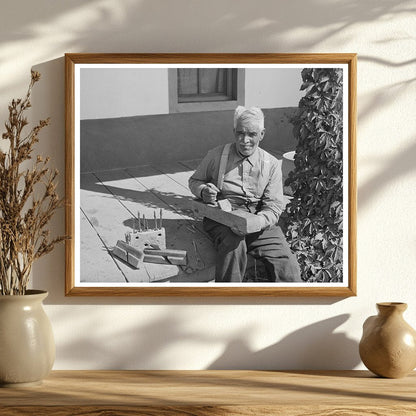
(203, 393)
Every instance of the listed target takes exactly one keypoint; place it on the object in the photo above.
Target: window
(206, 84)
(205, 89)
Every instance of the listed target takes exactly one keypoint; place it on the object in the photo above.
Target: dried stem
(23, 217)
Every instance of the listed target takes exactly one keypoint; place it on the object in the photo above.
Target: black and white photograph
(210, 177)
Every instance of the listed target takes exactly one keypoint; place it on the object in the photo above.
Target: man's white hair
(252, 113)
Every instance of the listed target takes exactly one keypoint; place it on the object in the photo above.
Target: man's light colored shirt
(247, 180)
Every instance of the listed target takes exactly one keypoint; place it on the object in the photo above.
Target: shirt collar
(251, 159)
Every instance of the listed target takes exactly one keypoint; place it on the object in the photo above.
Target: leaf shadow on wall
(137, 342)
(102, 26)
(393, 169)
(313, 347)
(402, 163)
(316, 346)
(152, 343)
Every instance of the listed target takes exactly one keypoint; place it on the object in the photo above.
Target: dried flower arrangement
(28, 199)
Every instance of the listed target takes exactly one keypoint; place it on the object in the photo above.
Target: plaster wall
(144, 91)
(266, 90)
(202, 333)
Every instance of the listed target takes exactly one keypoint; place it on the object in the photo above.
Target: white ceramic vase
(27, 346)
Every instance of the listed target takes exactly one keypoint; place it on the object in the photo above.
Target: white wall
(116, 92)
(271, 88)
(145, 91)
(198, 333)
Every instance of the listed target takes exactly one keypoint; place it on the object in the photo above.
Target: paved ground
(110, 202)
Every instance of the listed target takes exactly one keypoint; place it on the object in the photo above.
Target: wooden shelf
(203, 393)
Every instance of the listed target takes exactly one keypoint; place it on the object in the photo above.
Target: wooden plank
(175, 410)
(214, 392)
(169, 253)
(154, 258)
(133, 258)
(218, 410)
(93, 251)
(180, 230)
(245, 222)
(136, 257)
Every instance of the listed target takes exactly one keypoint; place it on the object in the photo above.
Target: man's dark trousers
(269, 246)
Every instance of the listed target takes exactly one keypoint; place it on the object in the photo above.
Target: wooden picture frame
(109, 128)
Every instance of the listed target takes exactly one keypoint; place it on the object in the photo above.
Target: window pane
(212, 81)
(205, 89)
(206, 84)
(187, 81)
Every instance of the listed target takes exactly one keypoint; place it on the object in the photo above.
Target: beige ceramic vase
(27, 347)
(388, 345)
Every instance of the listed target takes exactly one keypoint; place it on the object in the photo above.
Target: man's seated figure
(251, 179)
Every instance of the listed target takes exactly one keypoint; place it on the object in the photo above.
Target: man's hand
(209, 193)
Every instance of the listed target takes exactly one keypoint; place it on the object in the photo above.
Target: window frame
(207, 105)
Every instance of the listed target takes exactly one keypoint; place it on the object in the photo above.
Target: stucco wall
(108, 93)
(270, 88)
(199, 333)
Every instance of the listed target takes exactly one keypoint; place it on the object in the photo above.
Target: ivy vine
(314, 216)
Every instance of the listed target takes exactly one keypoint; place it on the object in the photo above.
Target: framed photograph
(211, 174)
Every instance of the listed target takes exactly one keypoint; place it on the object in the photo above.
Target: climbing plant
(315, 214)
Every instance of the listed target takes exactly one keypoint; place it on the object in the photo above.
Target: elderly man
(251, 179)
